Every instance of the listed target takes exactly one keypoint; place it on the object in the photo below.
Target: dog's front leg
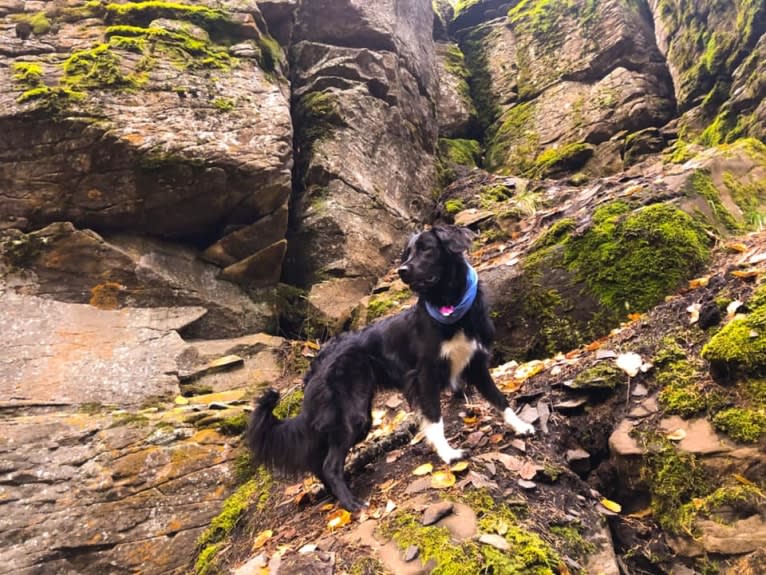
(433, 424)
(477, 374)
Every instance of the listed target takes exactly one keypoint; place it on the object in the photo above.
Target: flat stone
(418, 486)
(526, 485)
(63, 352)
(435, 512)
(260, 269)
(472, 217)
(639, 390)
(621, 443)
(495, 540)
(411, 553)
(529, 414)
(700, 438)
(461, 523)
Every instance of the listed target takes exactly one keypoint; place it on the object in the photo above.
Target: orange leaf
(745, 274)
(634, 316)
(736, 247)
(470, 420)
(699, 282)
(338, 518)
(496, 438)
(327, 507)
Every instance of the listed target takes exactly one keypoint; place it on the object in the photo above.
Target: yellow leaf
(327, 507)
(181, 400)
(459, 466)
(311, 344)
(699, 282)
(262, 538)
(736, 247)
(745, 274)
(442, 480)
(634, 316)
(470, 420)
(338, 518)
(611, 505)
(424, 469)
(642, 513)
(563, 569)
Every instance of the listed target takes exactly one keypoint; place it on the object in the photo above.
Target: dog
(443, 340)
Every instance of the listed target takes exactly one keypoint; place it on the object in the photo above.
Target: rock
(526, 485)
(333, 301)
(365, 80)
(602, 560)
(461, 523)
(529, 414)
(456, 114)
(472, 217)
(578, 461)
(700, 438)
(621, 443)
(258, 270)
(189, 149)
(75, 353)
(435, 512)
(411, 553)
(67, 264)
(742, 536)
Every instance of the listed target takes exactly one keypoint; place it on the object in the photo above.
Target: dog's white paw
(450, 454)
(519, 426)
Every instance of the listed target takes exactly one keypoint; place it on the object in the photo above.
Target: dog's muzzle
(405, 273)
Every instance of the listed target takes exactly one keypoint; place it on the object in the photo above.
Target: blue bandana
(449, 314)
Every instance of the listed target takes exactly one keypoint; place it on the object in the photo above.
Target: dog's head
(430, 254)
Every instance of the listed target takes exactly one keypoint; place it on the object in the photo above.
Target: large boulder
(162, 119)
(364, 87)
(80, 266)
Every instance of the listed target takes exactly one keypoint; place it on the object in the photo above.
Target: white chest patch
(459, 350)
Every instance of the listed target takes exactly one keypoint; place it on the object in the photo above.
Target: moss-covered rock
(558, 161)
(746, 425)
(460, 151)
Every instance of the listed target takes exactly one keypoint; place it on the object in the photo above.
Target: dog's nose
(404, 273)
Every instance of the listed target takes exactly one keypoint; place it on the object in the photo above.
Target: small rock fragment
(434, 512)
(495, 540)
(411, 553)
(527, 485)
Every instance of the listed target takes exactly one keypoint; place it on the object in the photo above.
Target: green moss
(463, 152)
(555, 234)
(39, 21)
(702, 184)
(97, 67)
(741, 343)
(383, 303)
(566, 158)
(289, 405)
(631, 259)
(604, 374)
(27, 74)
(746, 425)
(270, 53)
(316, 116)
(572, 540)
(206, 560)
(674, 478)
(513, 147)
(136, 419)
(680, 152)
(677, 378)
(463, 5)
(542, 18)
(750, 197)
(214, 21)
(454, 206)
(746, 497)
(223, 104)
(367, 566)
(528, 554)
(255, 492)
(234, 425)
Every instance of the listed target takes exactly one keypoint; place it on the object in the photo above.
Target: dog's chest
(458, 351)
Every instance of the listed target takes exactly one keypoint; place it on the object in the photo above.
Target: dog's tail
(281, 445)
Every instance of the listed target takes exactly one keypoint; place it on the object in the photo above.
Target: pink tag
(446, 310)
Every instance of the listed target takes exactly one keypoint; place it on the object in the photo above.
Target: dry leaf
(390, 506)
(496, 438)
(424, 469)
(338, 518)
(732, 308)
(327, 507)
(262, 538)
(292, 490)
(419, 436)
(563, 569)
(642, 514)
(442, 480)
(529, 470)
(307, 548)
(634, 316)
(527, 370)
(694, 313)
(676, 435)
(470, 420)
(699, 282)
(611, 505)
(629, 362)
(745, 274)
(736, 247)
(459, 466)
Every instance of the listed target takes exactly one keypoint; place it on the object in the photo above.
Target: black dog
(442, 340)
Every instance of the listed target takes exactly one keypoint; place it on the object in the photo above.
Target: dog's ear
(454, 238)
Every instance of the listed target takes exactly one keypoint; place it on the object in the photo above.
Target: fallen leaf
(478, 480)
(377, 417)
(387, 485)
(694, 313)
(594, 345)
(338, 518)
(634, 316)
(496, 438)
(529, 470)
(736, 247)
(424, 469)
(676, 435)
(459, 466)
(732, 308)
(699, 282)
(181, 400)
(419, 436)
(470, 420)
(390, 506)
(527, 370)
(442, 480)
(745, 274)
(495, 540)
(292, 490)
(563, 569)
(262, 538)
(647, 512)
(612, 506)
(327, 507)
(629, 362)
(307, 548)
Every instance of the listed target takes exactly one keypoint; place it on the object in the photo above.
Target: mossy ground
(528, 553)
(383, 303)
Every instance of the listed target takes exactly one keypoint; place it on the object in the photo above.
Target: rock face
(170, 121)
(364, 84)
(542, 82)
